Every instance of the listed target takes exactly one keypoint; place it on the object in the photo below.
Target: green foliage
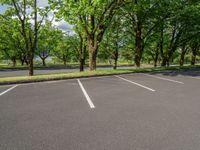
(112, 30)
(48, 39)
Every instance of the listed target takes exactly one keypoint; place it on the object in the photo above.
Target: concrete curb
(87, 76)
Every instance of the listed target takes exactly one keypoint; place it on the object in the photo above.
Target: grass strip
(71, 75)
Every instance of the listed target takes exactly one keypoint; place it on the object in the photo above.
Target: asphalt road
(157, 111)
(13, 73)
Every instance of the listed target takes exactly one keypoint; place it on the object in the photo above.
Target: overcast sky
(61, 24)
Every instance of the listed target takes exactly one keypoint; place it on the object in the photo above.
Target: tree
(79, 44)
(190, 20)
(90, 17)
(141, 22)
(47, 40)
(11, 41)
(176, 30)
(27, 12)
(113, 41)
(63, 49)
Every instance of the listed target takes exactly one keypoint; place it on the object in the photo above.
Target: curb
(88, 76)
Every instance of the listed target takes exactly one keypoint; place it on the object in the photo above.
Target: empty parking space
(181, 77)
(164, 78)
(160, 86)
(108, 93)
(3, 88)
(135, 83)
(133, 111)
(6, 89)
(35, 116)
(192, 73)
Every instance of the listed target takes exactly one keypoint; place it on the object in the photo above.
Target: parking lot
(141, 111)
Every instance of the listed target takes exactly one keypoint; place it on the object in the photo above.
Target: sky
(42, 3)
(2, 9)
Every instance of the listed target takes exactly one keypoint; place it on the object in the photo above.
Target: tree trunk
(182, 60)
(168, 61)
(84, 53)
(43, 62)
(81, 65)
(93, 47)
(156, 57)
(64, 58)
(155, 63)
(92, 58)
(65, 62)
(22, 62)
(194, 54)
(116, 55)
(138, 43)
(115, 65)
(26, 61)
(82, 50)
(164, 58)
(183, 52)
(164, 61)
(31, 69)
(14, 62)
(82, 57)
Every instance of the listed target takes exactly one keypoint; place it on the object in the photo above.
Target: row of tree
(134, 30)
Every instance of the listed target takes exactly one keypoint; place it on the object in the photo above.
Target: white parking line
(8, 90)
(195, 78)
(136, 84)
(86, 95)
(166, 79)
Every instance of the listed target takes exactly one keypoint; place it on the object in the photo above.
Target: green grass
(4, 66)
(39, 78)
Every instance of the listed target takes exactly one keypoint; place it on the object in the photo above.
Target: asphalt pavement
(13, 73)
(154, 111)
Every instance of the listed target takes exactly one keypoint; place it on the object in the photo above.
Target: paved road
(12, 73)
(157, 111)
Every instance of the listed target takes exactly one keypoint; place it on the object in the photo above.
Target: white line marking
(136, 84)
(195, 78)
(86, 95)
(8, 90)
(163, 78)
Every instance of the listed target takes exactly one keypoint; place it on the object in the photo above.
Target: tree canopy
(158, 32)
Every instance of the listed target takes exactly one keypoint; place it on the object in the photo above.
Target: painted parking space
(112, 91)
(58, 115)
(190, 79)
(164, 78)
(3, 88)
(6, 89)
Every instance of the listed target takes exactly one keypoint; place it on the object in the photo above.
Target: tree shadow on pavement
(193, 72)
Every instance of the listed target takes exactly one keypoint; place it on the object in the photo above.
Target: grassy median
(49, 77)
